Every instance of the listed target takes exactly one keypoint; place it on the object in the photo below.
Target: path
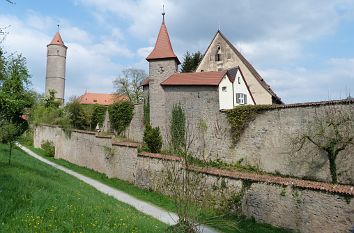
(144, 207)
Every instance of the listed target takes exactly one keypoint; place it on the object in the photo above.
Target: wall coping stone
(306, 104)
(306, 184)
(159, 156)
(84, 131)
(126, 144)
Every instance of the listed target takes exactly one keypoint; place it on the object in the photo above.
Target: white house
(230, 85)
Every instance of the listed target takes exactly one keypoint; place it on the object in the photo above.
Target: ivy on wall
(178, 127)
(240, 117)
(146, 112)
(120, 115)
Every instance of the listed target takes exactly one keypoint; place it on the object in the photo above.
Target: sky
(304, 49)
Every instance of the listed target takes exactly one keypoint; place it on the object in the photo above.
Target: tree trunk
(10, 153)
(333, 167)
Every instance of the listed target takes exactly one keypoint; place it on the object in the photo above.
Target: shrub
(120, 115)
(77, 114)
(98, 115)
(26, 138)
(49, 148)
(152, 139)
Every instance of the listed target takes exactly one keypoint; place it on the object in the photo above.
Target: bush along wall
(98, 115)
(240, 117)
(120, 115)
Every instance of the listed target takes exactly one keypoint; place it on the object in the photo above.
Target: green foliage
(15, 98)
(49, 148)
(240, 117)
(178, 128)
(26, 138)
(146, 111)
(49, 115)
(152, 139)
(191, 61)
(120, 115)
(77, 115)
(98, 116)
(50, 101)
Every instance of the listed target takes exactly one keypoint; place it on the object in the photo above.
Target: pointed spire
(163, 46)
(57, 40)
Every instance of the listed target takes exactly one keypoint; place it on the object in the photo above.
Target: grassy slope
(37, 198)
(244, 225)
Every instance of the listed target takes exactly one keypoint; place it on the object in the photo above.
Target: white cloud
(299, 84)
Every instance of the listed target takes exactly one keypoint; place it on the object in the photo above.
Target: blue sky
(304, 49)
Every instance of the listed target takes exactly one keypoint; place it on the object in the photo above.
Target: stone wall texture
(303, 209)
(268, 141)
(135, 131)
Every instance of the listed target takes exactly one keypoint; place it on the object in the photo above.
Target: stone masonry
(301, 209)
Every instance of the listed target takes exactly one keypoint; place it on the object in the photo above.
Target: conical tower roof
(57, 40)
(163, 48)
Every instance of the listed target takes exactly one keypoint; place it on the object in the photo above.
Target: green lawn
(244, 225)
(37, 198)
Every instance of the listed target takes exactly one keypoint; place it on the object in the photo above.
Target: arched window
(218, 54)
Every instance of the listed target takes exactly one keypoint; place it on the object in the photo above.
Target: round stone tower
(56, 62)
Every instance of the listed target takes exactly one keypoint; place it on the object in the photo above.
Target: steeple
(57, 40)
(163, 48)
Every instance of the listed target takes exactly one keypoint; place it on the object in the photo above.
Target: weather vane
(58, 27)
(163, 13)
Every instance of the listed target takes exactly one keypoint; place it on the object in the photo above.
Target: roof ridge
(258, 77)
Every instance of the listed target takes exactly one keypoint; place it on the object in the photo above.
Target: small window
(202, 71)
(239, 80)
(224, 89)
(94, 101)
(228, 56)
(241, 98)
(218, 54)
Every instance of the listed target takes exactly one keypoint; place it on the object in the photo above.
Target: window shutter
(245, 98)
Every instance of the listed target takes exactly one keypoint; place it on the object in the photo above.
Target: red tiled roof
(101, 99)
(163, 47)
(211, 78)
(57, 40)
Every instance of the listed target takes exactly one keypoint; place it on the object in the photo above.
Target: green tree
(120, 115)
(191, 61)
(77, 115)
(178, 128)
(15, 98)
(129, 84)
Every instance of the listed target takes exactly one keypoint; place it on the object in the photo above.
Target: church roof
(101, 99)
(57, 40)
(249, 66)
(163, 46)
(211, 78)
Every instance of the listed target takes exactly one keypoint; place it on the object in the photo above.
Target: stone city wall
(305, 206)
(267, 142)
